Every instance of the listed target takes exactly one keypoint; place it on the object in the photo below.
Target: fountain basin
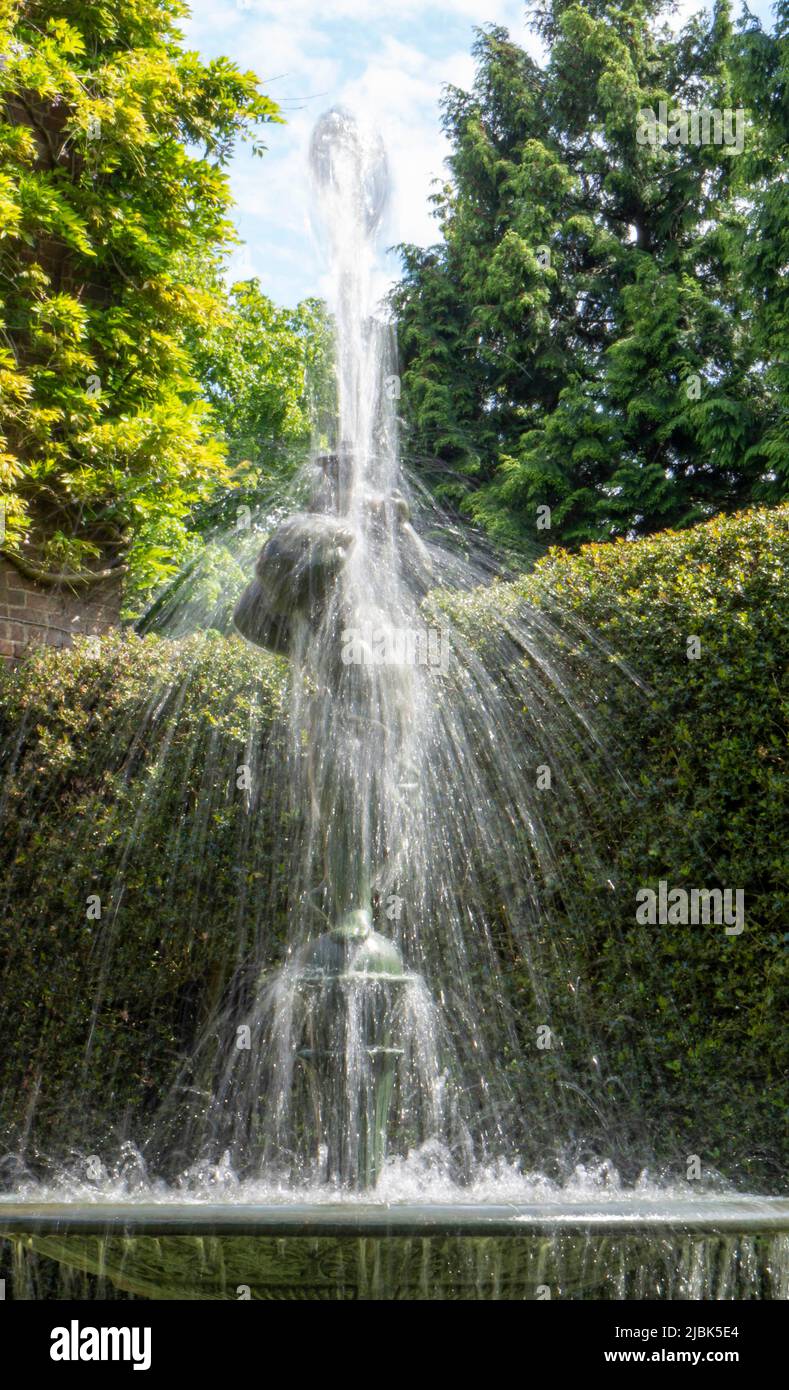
(618, 1248)
(626, 1215)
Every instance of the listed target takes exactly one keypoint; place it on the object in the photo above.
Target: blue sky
(387, 60)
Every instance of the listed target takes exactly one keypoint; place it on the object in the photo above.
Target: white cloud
(398, 92)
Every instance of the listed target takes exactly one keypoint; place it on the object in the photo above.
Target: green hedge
(120, 781)
(118, 778)
(692, 1021)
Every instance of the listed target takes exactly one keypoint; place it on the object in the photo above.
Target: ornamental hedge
(693, 1020)
(119, 783)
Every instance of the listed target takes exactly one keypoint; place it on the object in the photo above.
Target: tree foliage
(113, 142)
(600, 326)
(761, 75)
(267, 373)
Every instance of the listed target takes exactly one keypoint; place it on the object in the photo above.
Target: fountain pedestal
(349, 984)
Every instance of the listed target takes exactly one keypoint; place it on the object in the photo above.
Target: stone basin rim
(627, 1216)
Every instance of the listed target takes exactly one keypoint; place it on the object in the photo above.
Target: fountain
(349, 1067)
(347, 1124)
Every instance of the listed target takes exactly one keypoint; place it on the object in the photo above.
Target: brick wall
(31, 614)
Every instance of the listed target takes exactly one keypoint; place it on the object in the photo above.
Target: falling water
(351, 1061)
(384, 1032)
